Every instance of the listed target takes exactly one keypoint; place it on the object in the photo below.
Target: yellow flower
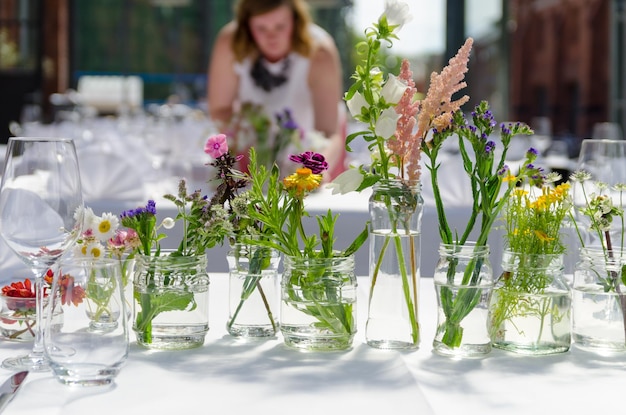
(561, 191)
(509, 177)
(519, 192)
(302, 180)
(541, 203)
(543, 236)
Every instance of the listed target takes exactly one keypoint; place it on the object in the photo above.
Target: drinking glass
(40, 217)
(91, 345)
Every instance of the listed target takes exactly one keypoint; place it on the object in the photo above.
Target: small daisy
(104, 227)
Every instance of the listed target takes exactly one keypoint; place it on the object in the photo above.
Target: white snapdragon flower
(397, 13)
(393, 89)
(356, 103)
(386, 124)
(346, 182)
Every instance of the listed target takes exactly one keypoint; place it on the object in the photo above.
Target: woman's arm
(222, 82)
(326, 86)
(325, 82)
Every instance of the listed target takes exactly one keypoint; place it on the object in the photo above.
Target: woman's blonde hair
(243, 42)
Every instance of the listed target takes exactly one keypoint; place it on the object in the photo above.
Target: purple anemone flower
(311, 160)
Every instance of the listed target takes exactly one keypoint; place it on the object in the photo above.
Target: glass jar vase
(463, 282)
(395, 209)
(171, 307)
(318, 306)
(599, 302)
(253, 291)
(529, 311)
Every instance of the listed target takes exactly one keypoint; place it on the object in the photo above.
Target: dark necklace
(266, 80)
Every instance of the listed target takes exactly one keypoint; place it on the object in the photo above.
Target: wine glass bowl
(605, 161)
(40, 216)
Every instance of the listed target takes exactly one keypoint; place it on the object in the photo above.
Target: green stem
(406, 289)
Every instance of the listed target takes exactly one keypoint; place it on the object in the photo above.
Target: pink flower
(405, 145)
(216, 145)
(437, 107)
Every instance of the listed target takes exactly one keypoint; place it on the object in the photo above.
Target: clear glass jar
(529, 311)
(394, 265)
(253, 298)
(318, 307)
(599, 302)
(463, 282)
(171, 307)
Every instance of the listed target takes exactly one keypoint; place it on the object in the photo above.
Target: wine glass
(605, 161)
(41, 208)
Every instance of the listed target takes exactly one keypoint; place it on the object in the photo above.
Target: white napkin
(109, 176)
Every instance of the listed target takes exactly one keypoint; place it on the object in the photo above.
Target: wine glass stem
(39, 317)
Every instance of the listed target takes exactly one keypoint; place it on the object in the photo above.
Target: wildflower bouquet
(310, 287)
(486, 172)
(387, 108)
(248, 258)
(251, 126)
(175, 282)
(102, 238)
(531, 287)
(602, 269)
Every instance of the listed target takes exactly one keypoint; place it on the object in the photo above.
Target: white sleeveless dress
(294, 94)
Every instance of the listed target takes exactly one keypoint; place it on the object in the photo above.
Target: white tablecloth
(227, 376)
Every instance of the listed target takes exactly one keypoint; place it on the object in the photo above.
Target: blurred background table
(127, 160)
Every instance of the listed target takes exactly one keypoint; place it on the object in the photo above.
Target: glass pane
(18, 34)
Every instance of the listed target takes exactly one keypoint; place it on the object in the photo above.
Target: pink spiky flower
(405, 145)
(437, 108)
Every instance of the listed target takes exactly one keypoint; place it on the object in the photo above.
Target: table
(259, 377)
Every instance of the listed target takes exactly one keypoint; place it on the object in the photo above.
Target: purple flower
(150, 208)
(311, 160)
(489, 146)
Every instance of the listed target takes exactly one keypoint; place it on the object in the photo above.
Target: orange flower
(69, 292)
(20, 289)
(302, 180)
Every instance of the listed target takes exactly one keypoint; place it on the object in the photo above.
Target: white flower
(104, 227)
(346, 182)
(393, 89)
(89, 250)
(386, 123)
(87, 215)
(168, 223)
(397, 13)
(356, 103)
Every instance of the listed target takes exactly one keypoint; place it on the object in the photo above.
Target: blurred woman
(274, 57)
